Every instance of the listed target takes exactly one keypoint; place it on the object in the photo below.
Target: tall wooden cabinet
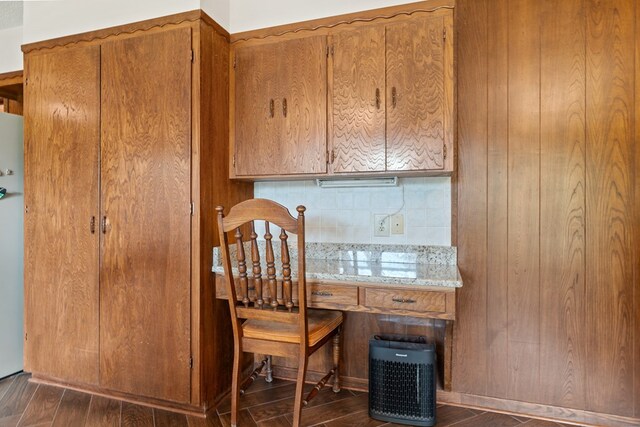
(125, 161)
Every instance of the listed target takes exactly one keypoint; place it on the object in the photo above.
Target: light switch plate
(397, 224)
(381, 225)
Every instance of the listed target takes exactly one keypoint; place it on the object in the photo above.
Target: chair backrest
(270, 299)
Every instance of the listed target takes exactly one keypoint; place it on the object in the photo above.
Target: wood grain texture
(256, 129)
(42, 406)
(357, 92)
(211, 187)
(279, 107)
(560, 94)
(562, 202)
(145, 175)
(62, 140)
(136, 416)
(497, 211)
(73, 409)
(609, 205)
(415, 62)
(470, 374)
(304, 88)
(523, 193)
(103, 412)
(636, 221)
(163, 418)
(16, 399)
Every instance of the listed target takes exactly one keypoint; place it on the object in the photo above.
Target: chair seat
(320, 324)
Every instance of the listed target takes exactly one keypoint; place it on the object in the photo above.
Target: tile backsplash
(345, 215)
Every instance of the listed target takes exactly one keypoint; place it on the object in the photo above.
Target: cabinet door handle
(403, 300)
(322, 294)
(378, 98)
(333, 156)
(104, 225)
(271, 108)
(284, 107)
(394, 97)
(92, 225)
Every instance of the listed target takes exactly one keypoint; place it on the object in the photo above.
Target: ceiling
(10, 14)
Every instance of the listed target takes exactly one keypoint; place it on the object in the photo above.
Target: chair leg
(269, 377)
(235, 387)
(336, 360)
(297, 407)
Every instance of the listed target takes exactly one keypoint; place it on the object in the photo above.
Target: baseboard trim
(535, 410)
(153, 403)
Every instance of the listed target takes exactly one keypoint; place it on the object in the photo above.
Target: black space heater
(402, 380)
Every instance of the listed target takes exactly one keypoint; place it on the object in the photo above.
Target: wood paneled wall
(549, 202)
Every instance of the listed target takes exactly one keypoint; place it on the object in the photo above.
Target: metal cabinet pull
(322, 294)
(92, 225)
(333, 156)
(378, 98)
(271, 108)
(394, 97)
(104, 225)
(284, 107)
(403, 300)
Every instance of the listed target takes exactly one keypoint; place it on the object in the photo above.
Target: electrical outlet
(381, 225)
(397, 224)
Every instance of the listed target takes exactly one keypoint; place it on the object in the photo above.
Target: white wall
(252, 14)
(219, 10)
(10, 53)
(345, 215)
(50, 19)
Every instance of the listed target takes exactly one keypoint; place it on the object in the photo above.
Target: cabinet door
(416, 94)
(62, 140)
(303, 82)
(257, 100)
(357, 125)
(281, 108)
(145, 179)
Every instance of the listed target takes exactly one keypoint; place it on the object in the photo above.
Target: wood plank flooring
(26, 404)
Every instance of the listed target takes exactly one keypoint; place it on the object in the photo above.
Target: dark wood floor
(26, 404)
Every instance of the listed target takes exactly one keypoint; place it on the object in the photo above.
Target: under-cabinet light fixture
(358, 182)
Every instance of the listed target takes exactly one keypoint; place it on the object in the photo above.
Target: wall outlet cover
(381, 225)
(397, 224)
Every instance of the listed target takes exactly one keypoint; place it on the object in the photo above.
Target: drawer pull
(322, 294)
(403, 300)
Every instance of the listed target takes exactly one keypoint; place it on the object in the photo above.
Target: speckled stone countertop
(393, 264)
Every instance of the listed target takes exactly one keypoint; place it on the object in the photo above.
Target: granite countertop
(393, 264)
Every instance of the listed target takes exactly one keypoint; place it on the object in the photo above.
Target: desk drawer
(405, 300)
(332, 294)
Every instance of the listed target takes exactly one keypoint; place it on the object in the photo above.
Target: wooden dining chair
(275, 325)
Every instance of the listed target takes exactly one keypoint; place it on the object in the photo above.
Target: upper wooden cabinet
(390, 90)
(419, 110)
(357, 82)
(280, 108)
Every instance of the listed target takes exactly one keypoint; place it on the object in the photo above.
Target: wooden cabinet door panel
(358, 95)
(62, 140)
(303, 81)
(145, 178)
(415, 94)
(258, 120)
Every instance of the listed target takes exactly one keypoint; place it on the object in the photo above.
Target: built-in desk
(412, 282)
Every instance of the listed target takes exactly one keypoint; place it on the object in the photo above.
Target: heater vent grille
(402, 382)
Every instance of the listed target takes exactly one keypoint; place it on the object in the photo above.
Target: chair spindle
(271, 268)
(286, 271)
(242, 269)
(257, 270)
